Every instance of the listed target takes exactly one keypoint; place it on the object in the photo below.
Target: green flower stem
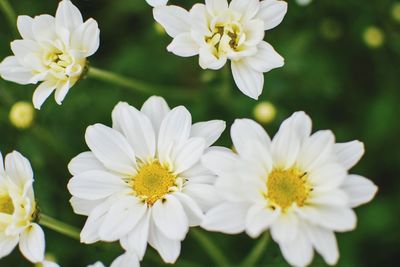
(10, 14)
(139, 86)
(59, 226)
(257, 251)
(212, 250)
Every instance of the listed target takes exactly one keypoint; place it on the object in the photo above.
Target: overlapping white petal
(52, 52)
(218, 32)
(120, 183)
(259, 190)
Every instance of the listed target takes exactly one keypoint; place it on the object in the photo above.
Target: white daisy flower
(297, 186)
(18, 209)
(217, 32)
(143, 181)
(52, 51)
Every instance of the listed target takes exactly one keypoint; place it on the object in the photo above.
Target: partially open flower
(218, 32)
(52, 52)
(297, 186)
(18, 209)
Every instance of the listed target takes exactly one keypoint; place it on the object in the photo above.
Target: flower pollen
(6, 205)
(286, 187)
(153, 182)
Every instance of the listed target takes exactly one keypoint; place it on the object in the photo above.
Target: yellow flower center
(6, 205)
(58, 62)
(224, 37)
(286, 187)
(153, 182)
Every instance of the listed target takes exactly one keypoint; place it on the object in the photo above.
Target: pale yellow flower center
(6, 205)
(63, 65)
(224, 37)
(286, 187)
(153, 182)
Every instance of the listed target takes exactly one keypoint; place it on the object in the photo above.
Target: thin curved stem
(139, 86)
(10, 15)
(257, 251)
(59, 226)
(212, 250)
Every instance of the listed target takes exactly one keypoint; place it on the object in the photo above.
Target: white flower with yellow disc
(18, 209)
(143, 182)
(297, 186)
(52, 52)
(218, 32)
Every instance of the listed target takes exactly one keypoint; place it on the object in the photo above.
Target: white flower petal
(168, 249)
(122, 217)
(68, 16)
(42, 92)
(220, 161)
(247, 8)
(298, 252)
(32, 243)
(84, 206)
(272, 13)
(12, 70)
(18, 168)
(62, 91)
(248, 80)
(53, 264)
(216, 7)
(285, 147)
(285, 228)
(300, 123)
(327, 176)
(209, 130)
(174, 132)
(174, 19)
(155, 3)
(1, 164)
(7, 244)
(338, 219)
(137, 129)
(170, 218)
(192, 210)
(183, 45)
(24, 25)
(324, 242)
(334, 197)
(316, 150)
(199, 22)
(96, 184)
(127, 259)
(136, 240)
(84, 162)
(228, 218)
(259, 218)
(156, 108)
(244, 130)
(360, 190)
(86, 38)
(43, 28)
(189, 154)
(207, 59)
(266, 58)
(349, 153)
(111, 148)
(259, 156)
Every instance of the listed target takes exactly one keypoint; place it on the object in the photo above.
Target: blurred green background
(342, 68)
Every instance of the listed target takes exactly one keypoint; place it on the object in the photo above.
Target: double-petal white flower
(18, 209)
(143, 182)
(53, 51)
(296, 185)
(217, 32)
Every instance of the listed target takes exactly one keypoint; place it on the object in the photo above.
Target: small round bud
(373, 37)
(264, 112)
(22, 115)
(159, 29)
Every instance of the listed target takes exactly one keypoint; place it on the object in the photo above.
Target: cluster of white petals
(218, 31)
(143, 182)
(52, 52)
(18, 209)
(296, 185)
